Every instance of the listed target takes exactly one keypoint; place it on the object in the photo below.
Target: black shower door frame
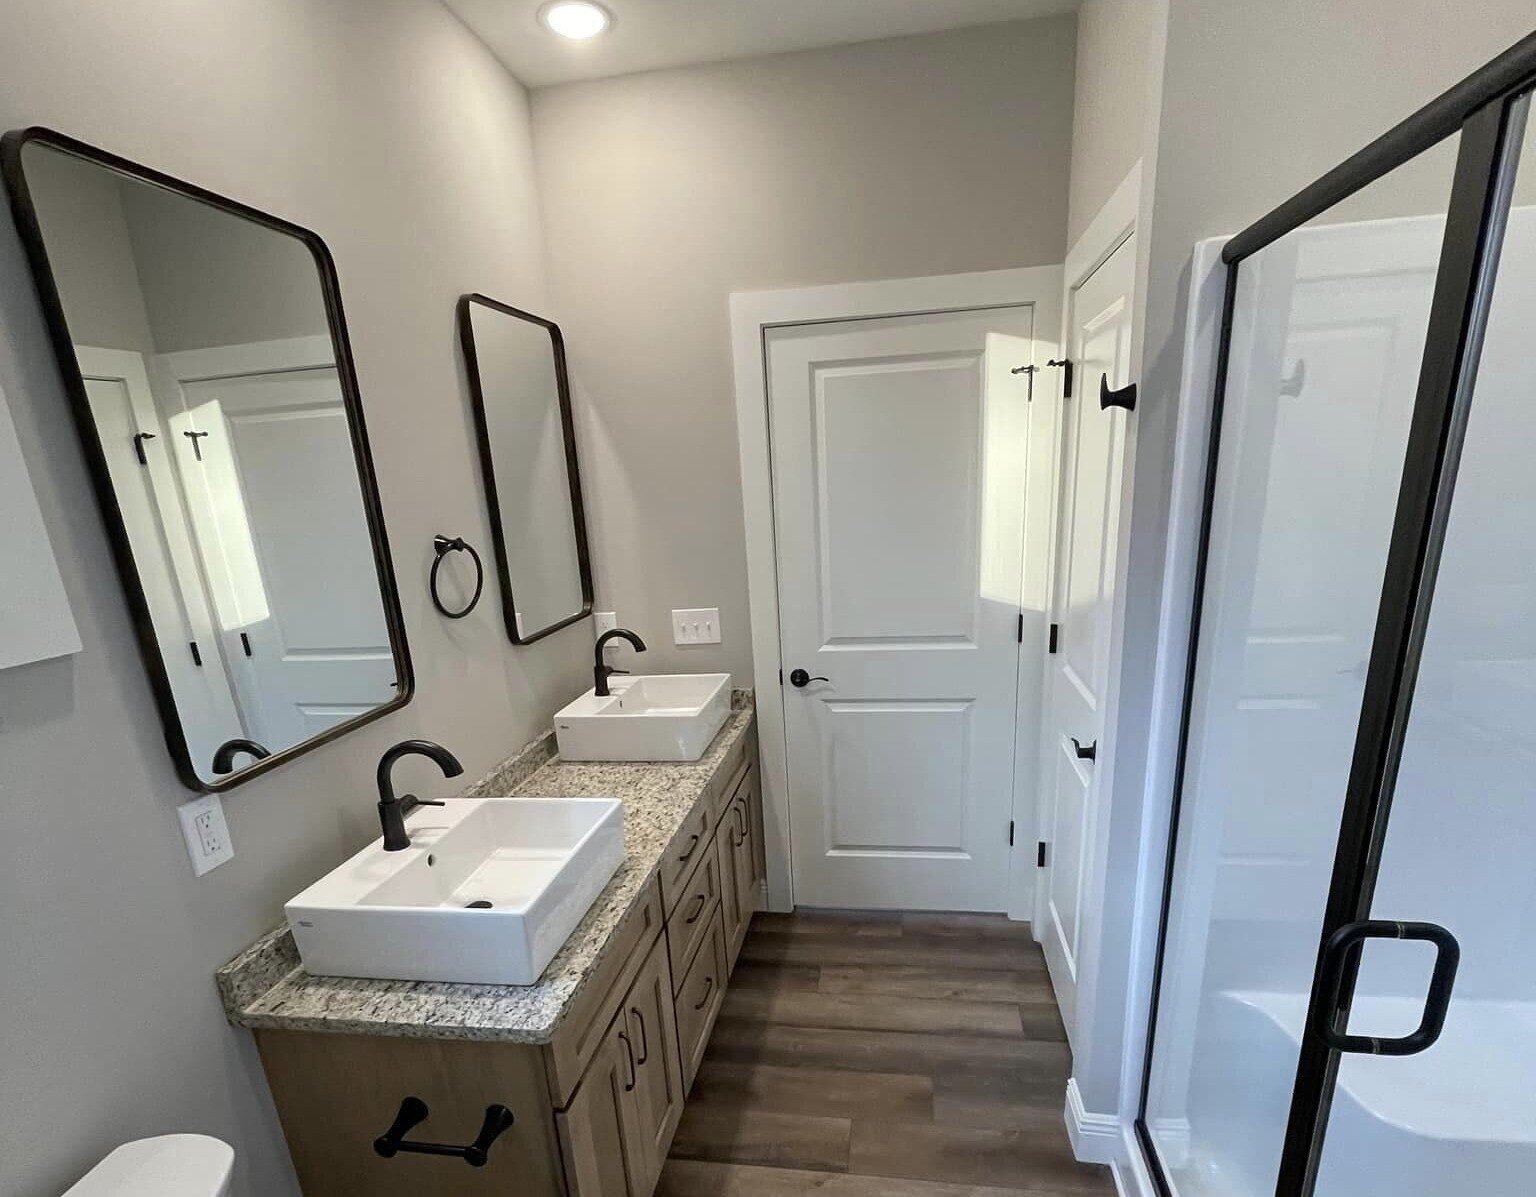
(1488, 110)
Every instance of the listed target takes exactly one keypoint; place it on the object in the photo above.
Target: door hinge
(1040, 854)
(1010, 833)
(1021, 627)
(1054, 638)
(1066, 375)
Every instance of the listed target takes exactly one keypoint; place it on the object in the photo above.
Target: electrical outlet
(603, 621)
(697, 625)
(206, 833)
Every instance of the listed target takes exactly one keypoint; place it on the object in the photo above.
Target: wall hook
(1125, 397)
(442, 546)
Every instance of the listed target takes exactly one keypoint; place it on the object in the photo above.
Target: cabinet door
(651, 1027)
(592, 1127)
(731, 914)
(744, 852)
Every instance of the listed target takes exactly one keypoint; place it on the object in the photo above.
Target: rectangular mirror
(522, 405)
(204, 350)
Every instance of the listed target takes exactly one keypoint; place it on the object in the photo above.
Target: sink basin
(487, 892)
(652, 717)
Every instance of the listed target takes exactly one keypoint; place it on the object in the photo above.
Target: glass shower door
(1460, 1118)
(1328, 332)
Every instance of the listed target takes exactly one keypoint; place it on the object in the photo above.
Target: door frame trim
(1116, 221)
(752, 315)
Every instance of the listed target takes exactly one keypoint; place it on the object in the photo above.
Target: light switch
(206, 833)
(696, 625)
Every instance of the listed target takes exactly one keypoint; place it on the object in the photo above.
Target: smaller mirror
(522, 405)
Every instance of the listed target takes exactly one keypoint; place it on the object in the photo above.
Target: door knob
(1085, 752)
(1125, 397)
(799, 678)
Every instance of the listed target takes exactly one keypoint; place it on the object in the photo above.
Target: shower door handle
(1343, 946)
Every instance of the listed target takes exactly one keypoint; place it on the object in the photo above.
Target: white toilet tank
(165, 1166)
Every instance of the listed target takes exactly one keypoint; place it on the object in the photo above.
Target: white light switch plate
(697, 625)
(207, 835)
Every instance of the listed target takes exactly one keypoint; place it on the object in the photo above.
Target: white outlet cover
(206, 833)
(696, 625)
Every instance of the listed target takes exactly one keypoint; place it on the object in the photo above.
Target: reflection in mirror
(517, 381)
(229, 453)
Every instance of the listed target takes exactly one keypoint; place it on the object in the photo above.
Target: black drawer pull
(413, 1112)
(629, 1052)
(709, 986)
(645, 1039)
(693, 843)
(741, 823)
(698, 910)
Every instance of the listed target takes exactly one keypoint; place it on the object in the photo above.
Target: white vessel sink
(415, 915)
(655, 717)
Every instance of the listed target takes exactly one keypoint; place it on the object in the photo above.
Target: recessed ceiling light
(577, 19)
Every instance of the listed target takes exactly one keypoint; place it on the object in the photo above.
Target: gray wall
(1257, 100)
(1109, 116)
(386, 127)
(665, 192)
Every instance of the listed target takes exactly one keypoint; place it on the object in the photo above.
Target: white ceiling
(648, 34)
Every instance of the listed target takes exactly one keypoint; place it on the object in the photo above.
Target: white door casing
(1077, 673)
(900, 450)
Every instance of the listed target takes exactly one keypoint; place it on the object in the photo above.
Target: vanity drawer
(720, 795)
(689, 846)
(699, 997)
(578, 1037)
(690, 918)
(336, 1094)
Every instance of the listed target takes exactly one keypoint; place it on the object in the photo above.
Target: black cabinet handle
(800, 678)
(413, 1112)
(741, 823)
(693, 843)
(645, 1039)
(629, 1051)
(1343, 947)
(709, 986)
(698, 910)
(1085, 752)
(1125, 397)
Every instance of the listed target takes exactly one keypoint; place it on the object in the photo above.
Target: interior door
(1093, 440)
(294, 589)
(897, 446)
(143, 479)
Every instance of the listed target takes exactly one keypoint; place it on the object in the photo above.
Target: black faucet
(600, 671)
(224, 757)
(392, 810)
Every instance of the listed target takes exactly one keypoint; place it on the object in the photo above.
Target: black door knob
(799, 677)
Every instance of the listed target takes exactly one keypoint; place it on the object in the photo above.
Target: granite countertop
(265, 986)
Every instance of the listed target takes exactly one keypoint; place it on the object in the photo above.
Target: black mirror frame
(30, 230)
(488, 467)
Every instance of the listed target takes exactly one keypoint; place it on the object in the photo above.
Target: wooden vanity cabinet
(596, 1108)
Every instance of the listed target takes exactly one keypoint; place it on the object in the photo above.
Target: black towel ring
(443, 545)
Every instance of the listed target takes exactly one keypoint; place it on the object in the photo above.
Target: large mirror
(522, 404)
(203, 346)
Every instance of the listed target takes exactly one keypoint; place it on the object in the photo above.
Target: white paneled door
(899, 448)
(1092, 445)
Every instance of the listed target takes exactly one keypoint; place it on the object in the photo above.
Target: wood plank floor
(882, 1055)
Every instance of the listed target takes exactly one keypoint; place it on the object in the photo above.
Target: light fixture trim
(578, 20)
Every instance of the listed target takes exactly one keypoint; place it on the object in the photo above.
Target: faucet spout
(602, 671)
(392, 810)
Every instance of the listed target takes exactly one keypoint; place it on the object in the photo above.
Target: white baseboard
(1096, 1138)
(1130, 1170)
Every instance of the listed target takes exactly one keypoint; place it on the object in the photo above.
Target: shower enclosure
(1345, 1000)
